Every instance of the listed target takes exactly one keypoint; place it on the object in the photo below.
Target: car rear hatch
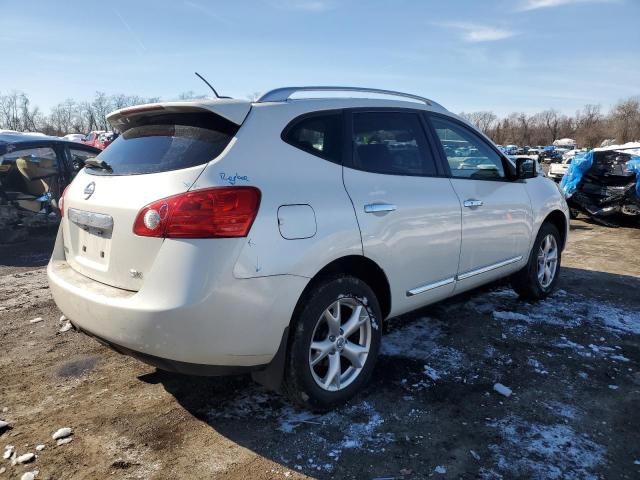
(161, 151)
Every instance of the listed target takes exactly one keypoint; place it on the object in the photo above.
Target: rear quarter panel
(285, 175)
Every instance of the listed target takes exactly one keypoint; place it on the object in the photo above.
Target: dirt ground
(572, 361)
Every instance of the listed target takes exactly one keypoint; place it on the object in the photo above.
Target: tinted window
(392, 143)
(319, 135)
(468, 155)
(167, 142)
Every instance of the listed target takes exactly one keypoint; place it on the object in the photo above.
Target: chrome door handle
(379, 207)
(472, 203)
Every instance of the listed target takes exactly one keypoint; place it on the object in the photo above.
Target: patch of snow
(3, 424)
(431, 373)
(64, 441)
(614, 387)
(562, 409)
(500, 315)
(619, 358)
(40, 447)
(9, 451)
(327, 435)
(66, 327)
(29, 475)
(35, 320)
(62, 433)
(440, 469)
(563, 309)
(537, 366)
(537, 451)
(421, 340)
(26, 457)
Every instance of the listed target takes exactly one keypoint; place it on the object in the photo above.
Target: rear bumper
(227, 322)
(175, 365)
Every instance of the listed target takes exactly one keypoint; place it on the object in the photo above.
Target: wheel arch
(558, 219)
(360, 267)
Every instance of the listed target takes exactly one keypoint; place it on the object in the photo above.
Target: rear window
(168, 142)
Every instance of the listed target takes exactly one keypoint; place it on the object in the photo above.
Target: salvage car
(275, 237)
(34, 170)
(92, 138)
(550, 154)
(605, 183)
(557, 170)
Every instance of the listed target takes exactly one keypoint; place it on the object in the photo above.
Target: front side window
(392, 143)
(319, 135)
(467, 154)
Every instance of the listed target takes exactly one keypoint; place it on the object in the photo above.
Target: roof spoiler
(233, 110)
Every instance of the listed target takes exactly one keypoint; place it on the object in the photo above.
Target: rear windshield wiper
(97, 163)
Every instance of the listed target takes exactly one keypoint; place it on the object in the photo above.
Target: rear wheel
(540, 276)
(334, 344)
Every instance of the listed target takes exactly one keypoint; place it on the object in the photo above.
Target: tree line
(18, 113)
(590, 126)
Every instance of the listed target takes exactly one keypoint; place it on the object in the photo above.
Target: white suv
(275, 237)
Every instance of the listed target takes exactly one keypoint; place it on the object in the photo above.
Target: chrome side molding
(462, 276)
(431, 286)
(488, 268)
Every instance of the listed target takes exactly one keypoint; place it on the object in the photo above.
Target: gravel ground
(572, 363)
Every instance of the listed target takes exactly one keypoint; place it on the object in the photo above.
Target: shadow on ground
(34, 252)
(571, 361)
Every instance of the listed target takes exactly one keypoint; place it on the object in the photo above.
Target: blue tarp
(633, 165)
(580, 165)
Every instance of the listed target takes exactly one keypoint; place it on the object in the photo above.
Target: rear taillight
(209, 213)
(61, 201)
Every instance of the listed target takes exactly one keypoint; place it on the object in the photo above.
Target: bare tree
(625, 120)
(551, 122)
(589, 126)
(484, 120)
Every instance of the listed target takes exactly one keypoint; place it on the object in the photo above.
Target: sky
(469, 55)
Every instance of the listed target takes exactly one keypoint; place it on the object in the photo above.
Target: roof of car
(236, 110)
(20, 138)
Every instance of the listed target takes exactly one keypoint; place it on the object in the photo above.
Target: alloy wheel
(340, 344)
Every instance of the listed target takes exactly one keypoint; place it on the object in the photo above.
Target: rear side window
(167, 142)
(391, 142)
(319, 135)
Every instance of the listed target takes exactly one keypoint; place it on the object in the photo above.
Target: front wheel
(335, 343)
(540, 276)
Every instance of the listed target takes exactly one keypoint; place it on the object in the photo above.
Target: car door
(497, 219)
(407, 210)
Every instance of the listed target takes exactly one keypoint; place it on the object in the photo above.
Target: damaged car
(605, 183)
(34, 172)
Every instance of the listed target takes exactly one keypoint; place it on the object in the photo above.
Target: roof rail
(283, 94)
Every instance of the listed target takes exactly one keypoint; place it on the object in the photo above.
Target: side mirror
(525, 168)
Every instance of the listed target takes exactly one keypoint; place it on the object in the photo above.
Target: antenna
(208, 84)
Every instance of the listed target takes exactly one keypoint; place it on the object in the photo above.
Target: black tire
(525, 282)
(299, 383)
